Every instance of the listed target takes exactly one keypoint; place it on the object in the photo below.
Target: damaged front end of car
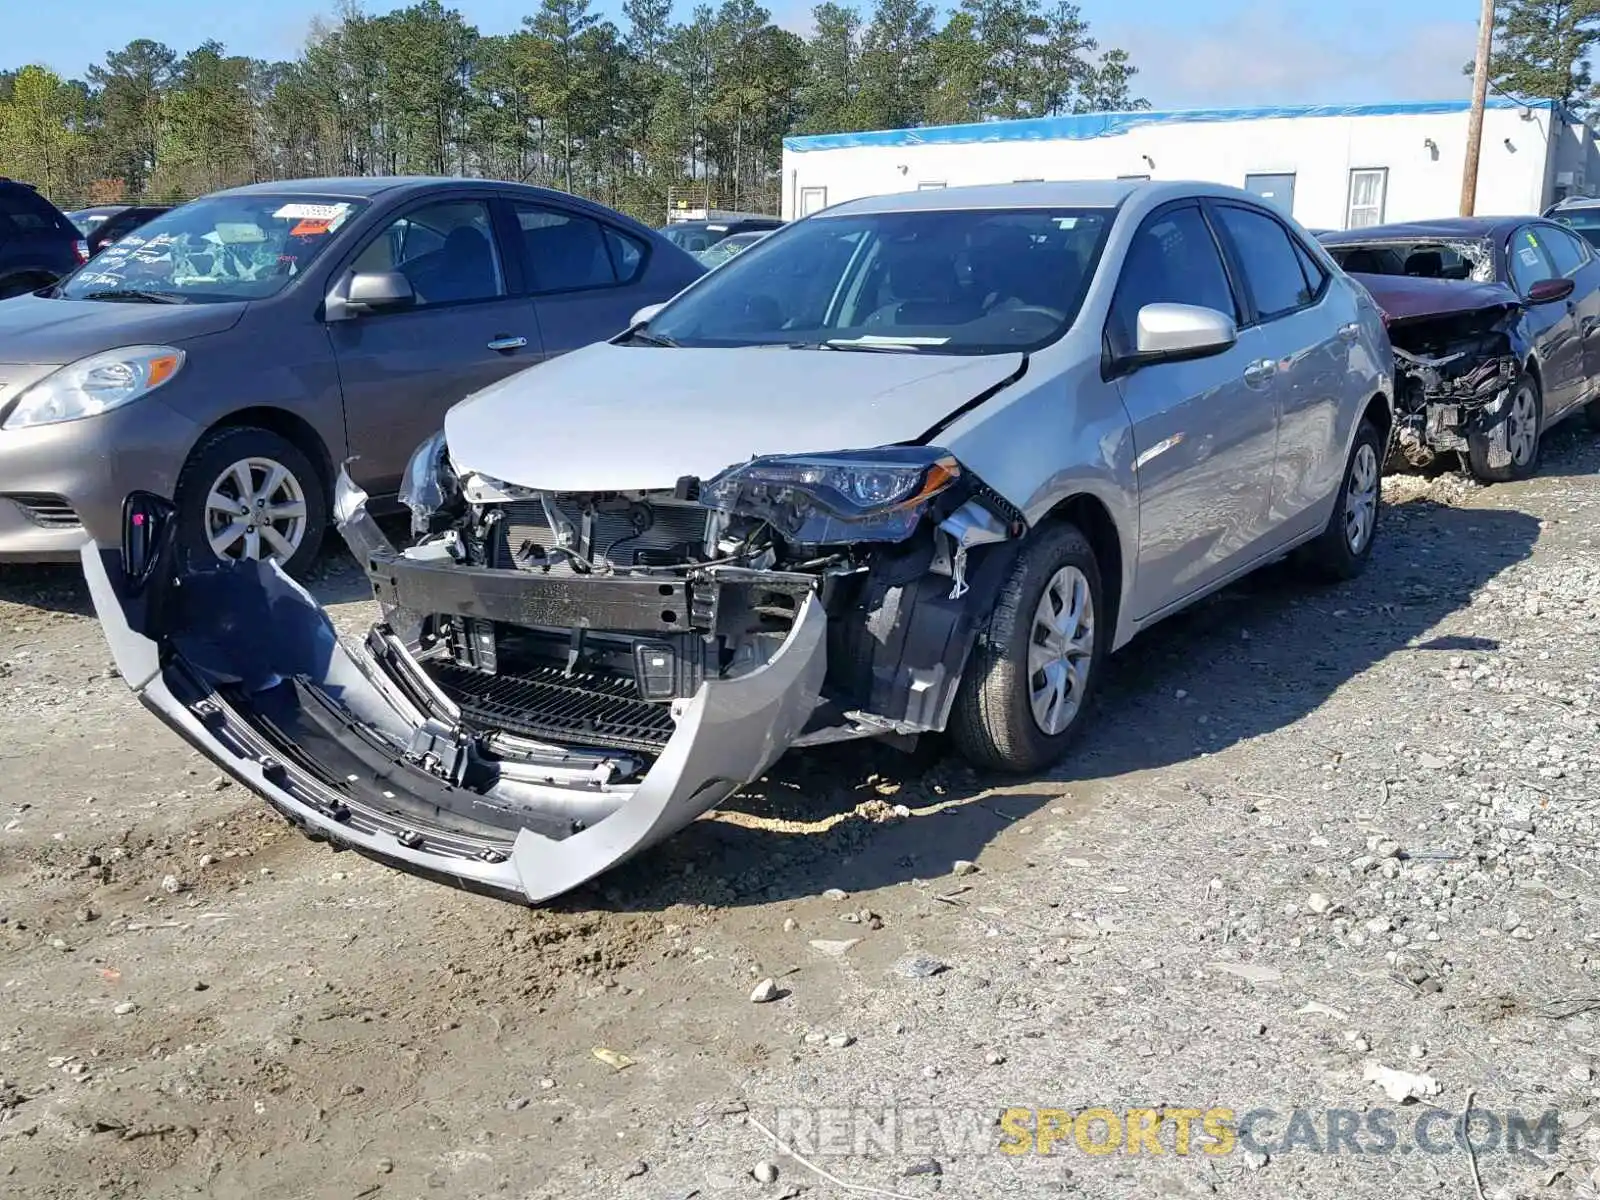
(561, 680)
(1459, 350)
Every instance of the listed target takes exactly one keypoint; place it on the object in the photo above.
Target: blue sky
(1215, 52)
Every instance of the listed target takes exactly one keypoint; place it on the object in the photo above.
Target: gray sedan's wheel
(1034, 667)
(249, 494)
(256, 509)
(1523, 426)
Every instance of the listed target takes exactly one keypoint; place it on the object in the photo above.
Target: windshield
(1585, 222)
(240, 247)
(1454, 258)
(976, 281)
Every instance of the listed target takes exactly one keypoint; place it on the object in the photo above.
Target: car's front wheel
(1036, 662)
(1523, 425)
(249, 493)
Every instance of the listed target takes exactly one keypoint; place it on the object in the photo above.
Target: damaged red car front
(1459, 350)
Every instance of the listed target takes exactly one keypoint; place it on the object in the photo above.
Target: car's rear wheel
(249, 493)
(1343, 547)
(1524, 424)
(1035, 665)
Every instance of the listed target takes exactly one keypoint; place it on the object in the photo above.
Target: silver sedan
(915, 464)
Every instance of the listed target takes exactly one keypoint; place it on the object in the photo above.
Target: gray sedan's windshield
(240, 247)
(981, 281)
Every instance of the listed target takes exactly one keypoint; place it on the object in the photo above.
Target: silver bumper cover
(232, 660)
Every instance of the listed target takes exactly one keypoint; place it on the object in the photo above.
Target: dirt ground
(1312, 831)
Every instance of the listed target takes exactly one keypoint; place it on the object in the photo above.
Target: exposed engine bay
(589, 615)
(1458, 349)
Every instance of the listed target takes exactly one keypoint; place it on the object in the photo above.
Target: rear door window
(1173, 259)
(1267, 256)
(567, 251)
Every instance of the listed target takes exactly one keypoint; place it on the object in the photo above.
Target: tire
(1341, 551)
(994, 723)
(1527, 402)
(218, 466)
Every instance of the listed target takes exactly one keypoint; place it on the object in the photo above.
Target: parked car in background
(38, 244)
(1057, 413)
(729, 246)
(232, 352)
(1555, 276)
(696, 236)
(1581, 214)
(106, 223)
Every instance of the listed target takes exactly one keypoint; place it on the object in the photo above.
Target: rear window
(28, 212)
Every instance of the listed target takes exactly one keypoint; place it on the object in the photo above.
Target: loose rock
(765, 992)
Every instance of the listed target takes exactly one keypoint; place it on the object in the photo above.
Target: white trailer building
(1332, 167)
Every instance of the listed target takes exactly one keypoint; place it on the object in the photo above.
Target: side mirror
(1548, 291)
(1172, 332)
(644, 315)
(376, 291)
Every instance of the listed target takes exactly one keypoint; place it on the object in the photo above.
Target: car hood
(1412, 298)
(623, 418)
(35, 330)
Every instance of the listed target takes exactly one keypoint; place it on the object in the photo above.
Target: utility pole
(1480, 93)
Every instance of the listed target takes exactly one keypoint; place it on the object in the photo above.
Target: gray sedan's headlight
(428, 483)
(94, 385)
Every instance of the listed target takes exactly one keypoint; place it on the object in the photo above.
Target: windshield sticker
(311, 227)
(1529, 256)
(312, 212)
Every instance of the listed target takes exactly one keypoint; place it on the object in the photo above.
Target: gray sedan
(915, 464)
(232, 352)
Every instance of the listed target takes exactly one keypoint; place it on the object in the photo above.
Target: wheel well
(1094, 520)
(1532, 367)
(289, 427)
(1380, 414)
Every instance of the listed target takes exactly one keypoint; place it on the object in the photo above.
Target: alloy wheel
(1522, 426)
(256, 509)
(1361, 498)
(1060, 650)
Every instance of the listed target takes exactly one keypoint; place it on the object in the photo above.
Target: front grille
(545, 703)
(50, 512)
(625, 533)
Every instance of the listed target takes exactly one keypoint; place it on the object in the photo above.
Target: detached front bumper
(354, 746)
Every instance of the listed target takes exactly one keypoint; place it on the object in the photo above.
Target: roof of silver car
(1062, 193)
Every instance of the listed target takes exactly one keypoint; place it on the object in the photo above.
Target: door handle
(1350, 332)
(505, 342)
(1260, 371)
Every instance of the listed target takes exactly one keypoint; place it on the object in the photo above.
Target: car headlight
(849, 496)
(429, 483)
(95, 384)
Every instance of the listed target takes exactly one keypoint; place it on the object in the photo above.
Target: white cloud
(1262, 56)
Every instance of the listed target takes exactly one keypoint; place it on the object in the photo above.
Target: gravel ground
(1313, 834)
